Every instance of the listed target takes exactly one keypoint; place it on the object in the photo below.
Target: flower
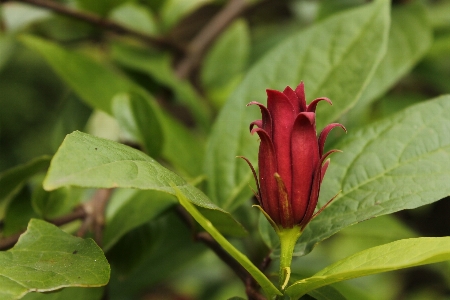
(291, 160)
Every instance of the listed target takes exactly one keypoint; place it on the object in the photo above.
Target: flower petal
(258, 195)
(300, 91)
(287, 218)
(292, 96)
(313, 197)
(305, 158)
(266, 118)
(283, 117)
(324, 134)
(324, 169)
(267, 168)
(258, 123)
(313, 105)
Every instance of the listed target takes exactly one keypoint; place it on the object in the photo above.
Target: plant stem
(288, 239)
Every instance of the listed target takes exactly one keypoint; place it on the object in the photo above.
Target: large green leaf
(393, 256)
(256, 273)
(399, 163)
(335, 58)
(87, 161)
(410, 37)
(12, 180)
(46, 258)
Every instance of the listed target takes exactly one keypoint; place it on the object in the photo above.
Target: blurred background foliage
(37, 109)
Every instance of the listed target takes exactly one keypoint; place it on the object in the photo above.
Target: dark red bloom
(291, 159)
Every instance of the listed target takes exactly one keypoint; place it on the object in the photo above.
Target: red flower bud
(291, 159)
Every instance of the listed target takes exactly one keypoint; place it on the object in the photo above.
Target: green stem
(288, 239)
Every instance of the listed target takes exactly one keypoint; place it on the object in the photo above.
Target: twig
(102, 23)
(9, 241)
(92, 213)
(201, 42)
(95, 214)
(78, 213)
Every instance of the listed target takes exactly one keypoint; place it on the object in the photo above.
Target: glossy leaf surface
(87, 161)
(389, 257)
(395, 164)
(45, 259)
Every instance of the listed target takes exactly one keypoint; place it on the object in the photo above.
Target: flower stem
(288, 239)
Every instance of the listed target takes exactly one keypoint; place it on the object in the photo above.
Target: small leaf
(46, 258)
(335, 58)
(136, 116)
(12, 180)
(395, 164)
(173, 10)
(87, 161)
(135, 16)
(393, 256)
(263, 281)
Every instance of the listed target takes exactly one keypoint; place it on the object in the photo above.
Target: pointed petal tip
(254, 103)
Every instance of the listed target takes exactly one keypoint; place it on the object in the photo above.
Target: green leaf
(395, 164)
(94, 83)
(326, 293)
(68, 294)
(263, 281)
(173, 10)
(45, 259)
(135, 16)
(393, 256)
(87, 161)
(52, 204)
(137, 118)
(127, 209)
(225, 63)
(12, 180)
(410, 37)
(159, 67)
(101, 7)
(335, 58)
(18, 214)
(182, 148)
